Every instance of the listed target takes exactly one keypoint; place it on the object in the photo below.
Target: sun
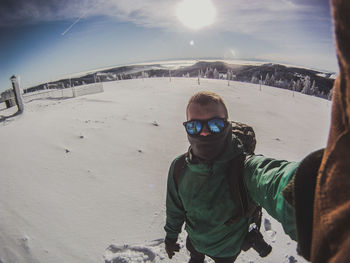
(196, 14)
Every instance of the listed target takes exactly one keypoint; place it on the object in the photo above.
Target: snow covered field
(81, 174)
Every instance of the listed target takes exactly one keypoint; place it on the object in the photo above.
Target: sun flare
(196, 14)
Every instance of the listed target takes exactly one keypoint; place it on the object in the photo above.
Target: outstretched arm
(265, 179)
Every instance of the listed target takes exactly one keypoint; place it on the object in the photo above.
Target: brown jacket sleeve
(331, 221)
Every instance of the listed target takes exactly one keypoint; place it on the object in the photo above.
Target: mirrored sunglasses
(214, 125)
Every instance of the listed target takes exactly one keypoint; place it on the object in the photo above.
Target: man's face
(198, 112)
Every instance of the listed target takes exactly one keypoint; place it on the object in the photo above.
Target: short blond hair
(206, 97)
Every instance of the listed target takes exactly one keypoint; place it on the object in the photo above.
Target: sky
(45, 40)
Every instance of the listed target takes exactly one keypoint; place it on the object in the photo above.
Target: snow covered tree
(206, 74)
(216, 74)
(313, 85)
(210, 73)
(284, 84)
(306, 86)
(267, 79)
(272, 81)
(330, 94)
(298, 86)
(313, 89)
(254, 79)
(228, 75)
(279, 83)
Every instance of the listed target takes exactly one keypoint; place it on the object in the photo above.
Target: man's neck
(196, 160)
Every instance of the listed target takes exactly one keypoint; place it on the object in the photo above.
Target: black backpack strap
(179, 166)
(237, 186)
(239, 192)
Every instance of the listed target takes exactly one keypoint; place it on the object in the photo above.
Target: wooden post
(17, 92)
(199, 75)
(260, 81)
(228, 76)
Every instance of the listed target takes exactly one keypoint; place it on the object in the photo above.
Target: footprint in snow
(128, 254)
(155, 123)
(267, 224)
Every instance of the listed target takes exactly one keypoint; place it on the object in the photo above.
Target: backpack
(239, 193)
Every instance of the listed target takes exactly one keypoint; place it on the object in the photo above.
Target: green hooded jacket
(203, 201)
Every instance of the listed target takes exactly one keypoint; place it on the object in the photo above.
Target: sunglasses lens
(193, 127)
(216, 125)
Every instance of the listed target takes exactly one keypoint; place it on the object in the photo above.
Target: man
(319, 190)
(200, 194)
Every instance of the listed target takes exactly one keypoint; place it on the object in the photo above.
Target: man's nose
(204, 131)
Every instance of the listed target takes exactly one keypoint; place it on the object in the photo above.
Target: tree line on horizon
(296, 79)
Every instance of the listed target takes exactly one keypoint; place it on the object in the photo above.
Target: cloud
(146, 13)
(318, 61)
(19, 12)
(249, 16)
(232, 15)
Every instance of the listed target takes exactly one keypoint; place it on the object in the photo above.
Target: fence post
(260, 81)
(17, 92)
(199, 76)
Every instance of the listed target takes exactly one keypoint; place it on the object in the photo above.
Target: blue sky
(44, 40)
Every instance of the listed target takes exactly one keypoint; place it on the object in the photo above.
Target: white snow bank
(81, 174)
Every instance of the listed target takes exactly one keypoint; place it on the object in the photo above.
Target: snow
(333, 76)
(323, 75)
(85, 174)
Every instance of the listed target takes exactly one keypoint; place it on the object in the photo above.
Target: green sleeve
(265, 179)
(175, 214)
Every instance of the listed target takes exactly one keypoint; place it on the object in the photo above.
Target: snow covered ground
(85, 174)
